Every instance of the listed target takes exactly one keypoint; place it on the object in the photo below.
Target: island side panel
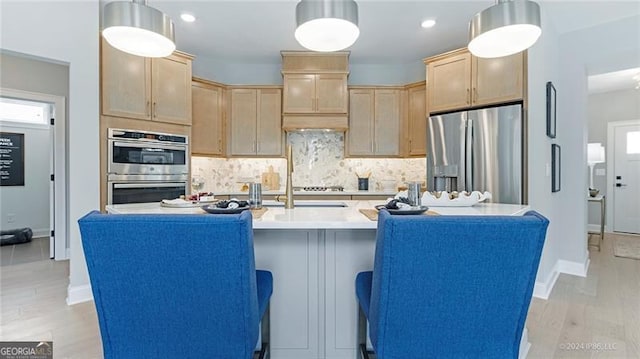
(347, 252)
(292, 257)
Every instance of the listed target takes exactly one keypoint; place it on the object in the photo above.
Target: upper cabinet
(497, 80)
(256, 126)
(459, 80)
(208, 125)
(157, 89)
(417, 119)
(315, 91)
(322, 93)
(375, 120)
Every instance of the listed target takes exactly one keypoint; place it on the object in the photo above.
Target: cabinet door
(360, 133)
(299, 94)
(171, 90)
(126, 84)
(331, 93)
(387, 123)
(206, 128)
(244, 112)
(449, 82)
(497, 80)
(269, 126)
(417, 121)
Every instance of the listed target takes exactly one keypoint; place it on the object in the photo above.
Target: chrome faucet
(289, 189)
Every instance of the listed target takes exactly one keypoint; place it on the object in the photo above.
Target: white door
(626, 174)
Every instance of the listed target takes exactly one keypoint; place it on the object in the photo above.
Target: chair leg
(265, 332)
(362, 335)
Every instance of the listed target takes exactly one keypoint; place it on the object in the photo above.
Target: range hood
(338, 123)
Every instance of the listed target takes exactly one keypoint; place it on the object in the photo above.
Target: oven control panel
(115, 133)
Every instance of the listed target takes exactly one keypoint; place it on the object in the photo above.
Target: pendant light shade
(506, 28)
(327, 25)
(138, 29)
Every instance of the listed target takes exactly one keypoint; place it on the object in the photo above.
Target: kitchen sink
(318, 204)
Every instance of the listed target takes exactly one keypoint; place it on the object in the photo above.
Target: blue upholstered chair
(449, 286)
(176, 286)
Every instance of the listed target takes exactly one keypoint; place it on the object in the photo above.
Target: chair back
(173, 286)
(453, 286)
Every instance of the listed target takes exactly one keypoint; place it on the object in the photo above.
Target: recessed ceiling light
(187, 17)
(428, 23)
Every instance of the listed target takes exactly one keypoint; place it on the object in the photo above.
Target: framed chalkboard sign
(11, 159)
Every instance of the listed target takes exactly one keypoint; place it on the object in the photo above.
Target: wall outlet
(11, 217)
(600, 171)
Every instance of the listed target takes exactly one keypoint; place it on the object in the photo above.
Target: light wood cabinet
(497, 80)
(459, 80)
(315, 94)
(256, 125)
(374, 122)
(417, 120)
(309, 93)
(142, 88)
(449, 82)
(208, 128)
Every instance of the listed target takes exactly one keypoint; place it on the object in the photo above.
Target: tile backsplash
(318, 160)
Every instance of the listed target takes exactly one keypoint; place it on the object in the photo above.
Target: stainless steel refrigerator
(478, 150)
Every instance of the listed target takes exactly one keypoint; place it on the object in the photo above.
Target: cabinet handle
(147, 109)
(468, 96)
(154, 109)
(219, 145)
(475, 95)
(410, 144)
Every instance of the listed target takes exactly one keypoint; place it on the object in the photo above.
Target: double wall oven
(146, 166)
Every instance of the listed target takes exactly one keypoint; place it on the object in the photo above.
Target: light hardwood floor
(603, 308)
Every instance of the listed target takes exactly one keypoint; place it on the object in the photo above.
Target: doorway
(624, 165)
(38, 121)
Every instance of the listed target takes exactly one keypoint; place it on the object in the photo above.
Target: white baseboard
(524, 344)
(42, 232)
(574, 268)
(79, 294)
(593, 228)
(543, 289)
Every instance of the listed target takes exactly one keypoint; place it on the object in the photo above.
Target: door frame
(59, 250)
(610, 204)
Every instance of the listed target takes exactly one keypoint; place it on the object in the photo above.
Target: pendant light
(327, 25)
(138, 29)
(506, 28)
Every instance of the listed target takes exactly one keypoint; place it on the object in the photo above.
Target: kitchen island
(314, 254)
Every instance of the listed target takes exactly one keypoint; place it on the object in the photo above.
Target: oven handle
(148, 184)
(147, 145)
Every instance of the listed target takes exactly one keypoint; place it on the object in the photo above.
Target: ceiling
(615, 81)
(243, 31)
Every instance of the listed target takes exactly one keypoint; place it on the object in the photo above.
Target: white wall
(32, 75)
(67, 32)
(603, 48)
(567, 59)
(270, 74)
(603, 108)
(543, 61)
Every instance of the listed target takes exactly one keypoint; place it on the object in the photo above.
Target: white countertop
(313, 193)
(322, 217)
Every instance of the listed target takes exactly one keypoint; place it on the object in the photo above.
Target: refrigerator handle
(468, 157)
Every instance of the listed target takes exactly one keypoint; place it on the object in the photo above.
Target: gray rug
(627, 247)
